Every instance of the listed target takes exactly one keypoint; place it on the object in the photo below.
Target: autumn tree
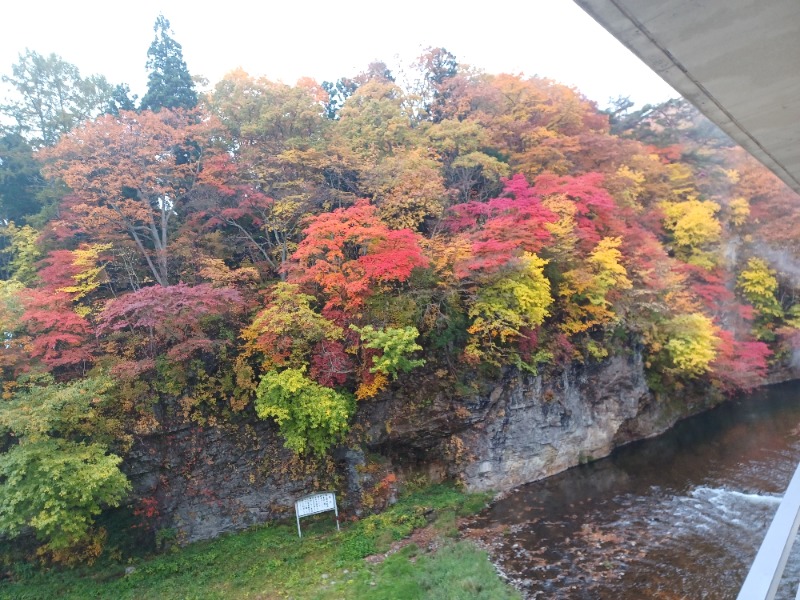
(468, 169)
(691, 343)
(288, 333)
(594, 211)
(759, 285)
(78, 273)
(20, 251)
(695, 229)
(517, 300)
(375, 121)
(436, 66)
(349, 254)
(740, 365)
(130, 176)
(588, 289)
(280, 166)
(59, 337)
(408, 189)
(14, 351)
(535, 122)
(260, 228)
(176, 321)
(500, 229)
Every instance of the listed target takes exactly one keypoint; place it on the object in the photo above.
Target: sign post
(315, 504)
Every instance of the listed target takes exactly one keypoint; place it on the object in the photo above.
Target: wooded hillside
(292, 251)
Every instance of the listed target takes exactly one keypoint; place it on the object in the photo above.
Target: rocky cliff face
(208, 481)
(535, 427)
(495, 437)
(526, 428)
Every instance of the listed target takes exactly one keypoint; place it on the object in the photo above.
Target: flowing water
(678, 516)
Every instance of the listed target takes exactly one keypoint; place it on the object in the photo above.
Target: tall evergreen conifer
(169, 84)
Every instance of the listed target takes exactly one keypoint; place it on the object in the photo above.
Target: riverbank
(410, 551)
(654, 518)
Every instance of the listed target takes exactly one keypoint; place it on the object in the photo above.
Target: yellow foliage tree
(695, 228)
(759, 286)
(22, 249)
(627, 185)
(691, 343)
(517, 300)
(739, 211)
(586, 289)
(564, 237)
(88, 278)
(408, 187)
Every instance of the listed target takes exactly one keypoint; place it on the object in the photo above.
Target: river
(679, 516)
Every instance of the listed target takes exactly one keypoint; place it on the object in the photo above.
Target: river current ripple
(679, 516)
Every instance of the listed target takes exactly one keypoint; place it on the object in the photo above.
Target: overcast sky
(289, 39)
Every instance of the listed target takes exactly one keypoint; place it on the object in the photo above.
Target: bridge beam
(736, 60)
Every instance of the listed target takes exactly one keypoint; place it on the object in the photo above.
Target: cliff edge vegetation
(288, 254)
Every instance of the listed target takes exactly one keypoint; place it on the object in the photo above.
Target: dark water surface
(678, 516)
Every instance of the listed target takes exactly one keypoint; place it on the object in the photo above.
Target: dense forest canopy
(288, 252)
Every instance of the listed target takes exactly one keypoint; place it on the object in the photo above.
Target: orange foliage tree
(129, 174)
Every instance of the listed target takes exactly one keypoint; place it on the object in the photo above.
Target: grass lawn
(272, 562)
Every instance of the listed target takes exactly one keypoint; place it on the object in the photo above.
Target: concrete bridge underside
(738, 61)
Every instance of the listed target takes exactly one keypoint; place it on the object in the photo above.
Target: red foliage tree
(331, 365)
(230, 203)
(349, 254)
(502, 227)
(171, 320)
(594, 207)
(59, 337)
(740, 365)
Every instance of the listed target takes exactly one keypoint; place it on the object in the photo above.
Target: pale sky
(326, 40)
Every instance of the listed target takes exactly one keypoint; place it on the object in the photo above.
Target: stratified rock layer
(494, 436)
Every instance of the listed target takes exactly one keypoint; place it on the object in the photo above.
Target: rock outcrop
(528, 427)
(212, 480)
(493, 436)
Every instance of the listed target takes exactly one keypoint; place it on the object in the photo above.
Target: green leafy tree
(395, 344)
(42, 409)
(169, 84)
(53, 480)
(51, 97)
(20, 180)
(374, 120)
(57, 487)
(121, 99)
(310, 416)
(13, 351)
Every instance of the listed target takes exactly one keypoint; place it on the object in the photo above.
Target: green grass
(271, 562)
(458, 570)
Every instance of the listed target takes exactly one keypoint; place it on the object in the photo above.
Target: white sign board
(315, 504)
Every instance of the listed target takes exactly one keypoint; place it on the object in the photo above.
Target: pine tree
(169, 84)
